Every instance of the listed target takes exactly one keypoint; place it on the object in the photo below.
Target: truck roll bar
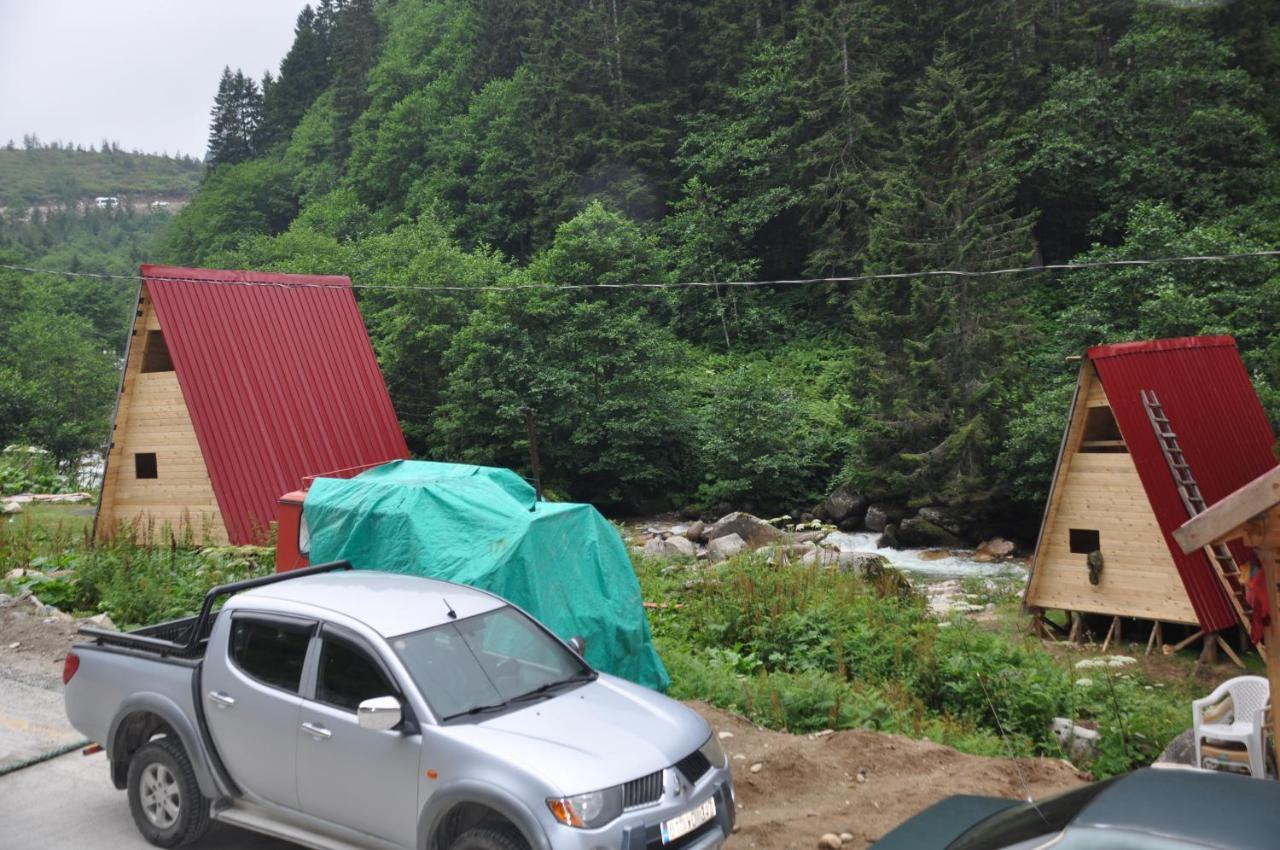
(200, 623)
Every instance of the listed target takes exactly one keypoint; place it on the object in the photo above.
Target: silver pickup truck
(340, 709)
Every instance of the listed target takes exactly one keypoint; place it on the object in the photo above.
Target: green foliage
(25, 471)
(466, 143)
(806, 649)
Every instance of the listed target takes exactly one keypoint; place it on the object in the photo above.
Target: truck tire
(164, 797)
(489, 838)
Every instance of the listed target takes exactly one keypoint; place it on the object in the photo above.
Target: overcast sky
(139, 72)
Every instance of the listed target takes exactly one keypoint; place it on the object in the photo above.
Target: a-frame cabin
(237, 385)
(1105, 543)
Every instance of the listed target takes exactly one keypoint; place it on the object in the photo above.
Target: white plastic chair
(1249, 698)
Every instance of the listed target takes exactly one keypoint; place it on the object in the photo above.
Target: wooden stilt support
(1267, 557)
(1182, 644)
(1231, 653)
(1113, 631)
(1154, 640)
(1076, 619)
(1209, 652)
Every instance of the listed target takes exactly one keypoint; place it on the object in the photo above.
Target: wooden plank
(1231, 653)
(1113, 630)
(1182, 644)
(1074, 432)
(1220, 521)
(1267, 557)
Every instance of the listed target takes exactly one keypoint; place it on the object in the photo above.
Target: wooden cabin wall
(152, 417)
(1101, 491)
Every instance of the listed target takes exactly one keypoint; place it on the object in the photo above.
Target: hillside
(461, 143)
(44, 174)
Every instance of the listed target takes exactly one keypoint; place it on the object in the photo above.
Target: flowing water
(919, 564)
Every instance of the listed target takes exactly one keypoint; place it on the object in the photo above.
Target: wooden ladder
(1220, 557)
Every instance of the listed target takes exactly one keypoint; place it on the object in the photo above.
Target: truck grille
(694, 766)
(642, 791)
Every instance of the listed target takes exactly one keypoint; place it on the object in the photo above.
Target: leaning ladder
(1220, 557)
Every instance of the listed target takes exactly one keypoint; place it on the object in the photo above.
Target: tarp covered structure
(483, 526)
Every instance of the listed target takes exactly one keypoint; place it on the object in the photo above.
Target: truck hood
(599, 735)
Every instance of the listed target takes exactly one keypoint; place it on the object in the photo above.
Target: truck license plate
(689, 821)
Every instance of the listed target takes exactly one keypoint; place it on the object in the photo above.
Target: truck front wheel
(489, 838)
(164, 798)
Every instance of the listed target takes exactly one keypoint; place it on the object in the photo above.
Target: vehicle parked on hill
(358, 709)
(1156, 808)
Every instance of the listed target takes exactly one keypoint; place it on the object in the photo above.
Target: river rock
(752, 530)
(1181, 750)
(820, 558)
(670, 547)
(861, 563)
(889, 539)
(10, 508)
(695, 530)
(1078, 743)
(830, 841)
(947, 518)
(920, 533)
(724, 548)
(996, 547)
(842, 503)
(798, 537)
(878, 516)
(102, 621)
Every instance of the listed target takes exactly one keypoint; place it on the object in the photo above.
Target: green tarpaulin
(482, 526)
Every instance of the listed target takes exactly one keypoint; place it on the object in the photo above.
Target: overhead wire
(659, 285)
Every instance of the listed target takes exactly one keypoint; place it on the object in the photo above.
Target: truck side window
(272, 653)
(347, 676)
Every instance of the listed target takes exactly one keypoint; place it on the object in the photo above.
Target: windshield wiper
(542, 690)
(536, 693)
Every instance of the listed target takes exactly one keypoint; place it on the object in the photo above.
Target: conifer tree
(304, 73)
(946, 202)
(354, 50)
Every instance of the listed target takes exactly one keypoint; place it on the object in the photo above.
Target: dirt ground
(863, 783)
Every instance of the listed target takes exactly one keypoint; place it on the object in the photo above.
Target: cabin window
(1084, 540)
(1101, 433)
(144, 465)
(155, 356)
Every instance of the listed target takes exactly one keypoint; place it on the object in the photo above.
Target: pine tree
(222, 121)
(235, 118)
(304, 73)
(354, 50)
(947, 201)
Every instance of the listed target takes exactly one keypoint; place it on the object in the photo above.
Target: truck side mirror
(579, 645)
(379, 713)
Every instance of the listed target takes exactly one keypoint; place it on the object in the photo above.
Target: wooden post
(1267, 557)
(1114, 629)
(1154, 639)
(1076, 617)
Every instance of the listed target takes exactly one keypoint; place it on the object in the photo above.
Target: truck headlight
(587, 811)
(713, 752)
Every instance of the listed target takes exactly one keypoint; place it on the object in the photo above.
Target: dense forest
(38, 173)
(431, 147)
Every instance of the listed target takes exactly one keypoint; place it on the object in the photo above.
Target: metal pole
(533, 450)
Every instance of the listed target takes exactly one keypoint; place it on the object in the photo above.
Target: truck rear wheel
(164, 797)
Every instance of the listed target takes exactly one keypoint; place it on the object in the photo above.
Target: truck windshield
(486, 663)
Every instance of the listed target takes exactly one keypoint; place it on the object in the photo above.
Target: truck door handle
(315, 730)
(221, 700)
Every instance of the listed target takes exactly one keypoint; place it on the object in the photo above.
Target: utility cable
(691, 284)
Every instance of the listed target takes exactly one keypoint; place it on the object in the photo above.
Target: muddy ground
(863, 783)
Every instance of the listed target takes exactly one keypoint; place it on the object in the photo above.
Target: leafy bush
(806, 649)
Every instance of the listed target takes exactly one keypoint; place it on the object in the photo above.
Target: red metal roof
(280, 380)
(1221, 426)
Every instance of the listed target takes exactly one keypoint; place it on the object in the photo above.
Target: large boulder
(724, 548)
(753, 531)
(889, 538)
(670, 547)
(862, 563)
(919, 533)
(949, 518)
(695, 530)
(879, 516)
(843, 503)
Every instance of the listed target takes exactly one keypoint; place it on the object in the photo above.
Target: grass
(805, 649)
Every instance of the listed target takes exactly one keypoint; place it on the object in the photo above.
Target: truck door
(251, 702)
(362, 779)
